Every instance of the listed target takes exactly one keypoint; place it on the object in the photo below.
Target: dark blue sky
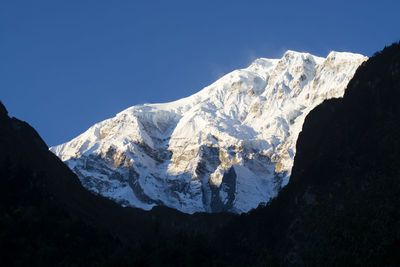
(65, 65)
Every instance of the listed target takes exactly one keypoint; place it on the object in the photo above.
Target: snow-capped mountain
(228, 147)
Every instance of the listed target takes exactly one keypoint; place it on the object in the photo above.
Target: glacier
(230, 147)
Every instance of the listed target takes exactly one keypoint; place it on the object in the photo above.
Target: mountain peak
(228, 147)
(291, 53)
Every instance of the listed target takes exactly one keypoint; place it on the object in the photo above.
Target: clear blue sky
(65, 65)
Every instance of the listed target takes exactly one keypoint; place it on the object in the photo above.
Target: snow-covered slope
(228, 147)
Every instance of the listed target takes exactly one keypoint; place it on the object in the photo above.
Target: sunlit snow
(228, 147)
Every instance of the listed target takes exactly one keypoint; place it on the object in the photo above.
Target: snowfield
(228, 147)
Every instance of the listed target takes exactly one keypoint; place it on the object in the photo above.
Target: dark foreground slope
(345, 187)
(47, 217)
(341, 206)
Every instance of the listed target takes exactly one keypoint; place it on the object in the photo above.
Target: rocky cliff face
(228, 147)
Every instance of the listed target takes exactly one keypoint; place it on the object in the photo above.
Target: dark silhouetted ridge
(47, 217)
(341, 206)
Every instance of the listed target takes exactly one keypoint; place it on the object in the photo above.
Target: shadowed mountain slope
(44, 210)
(341, 206)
